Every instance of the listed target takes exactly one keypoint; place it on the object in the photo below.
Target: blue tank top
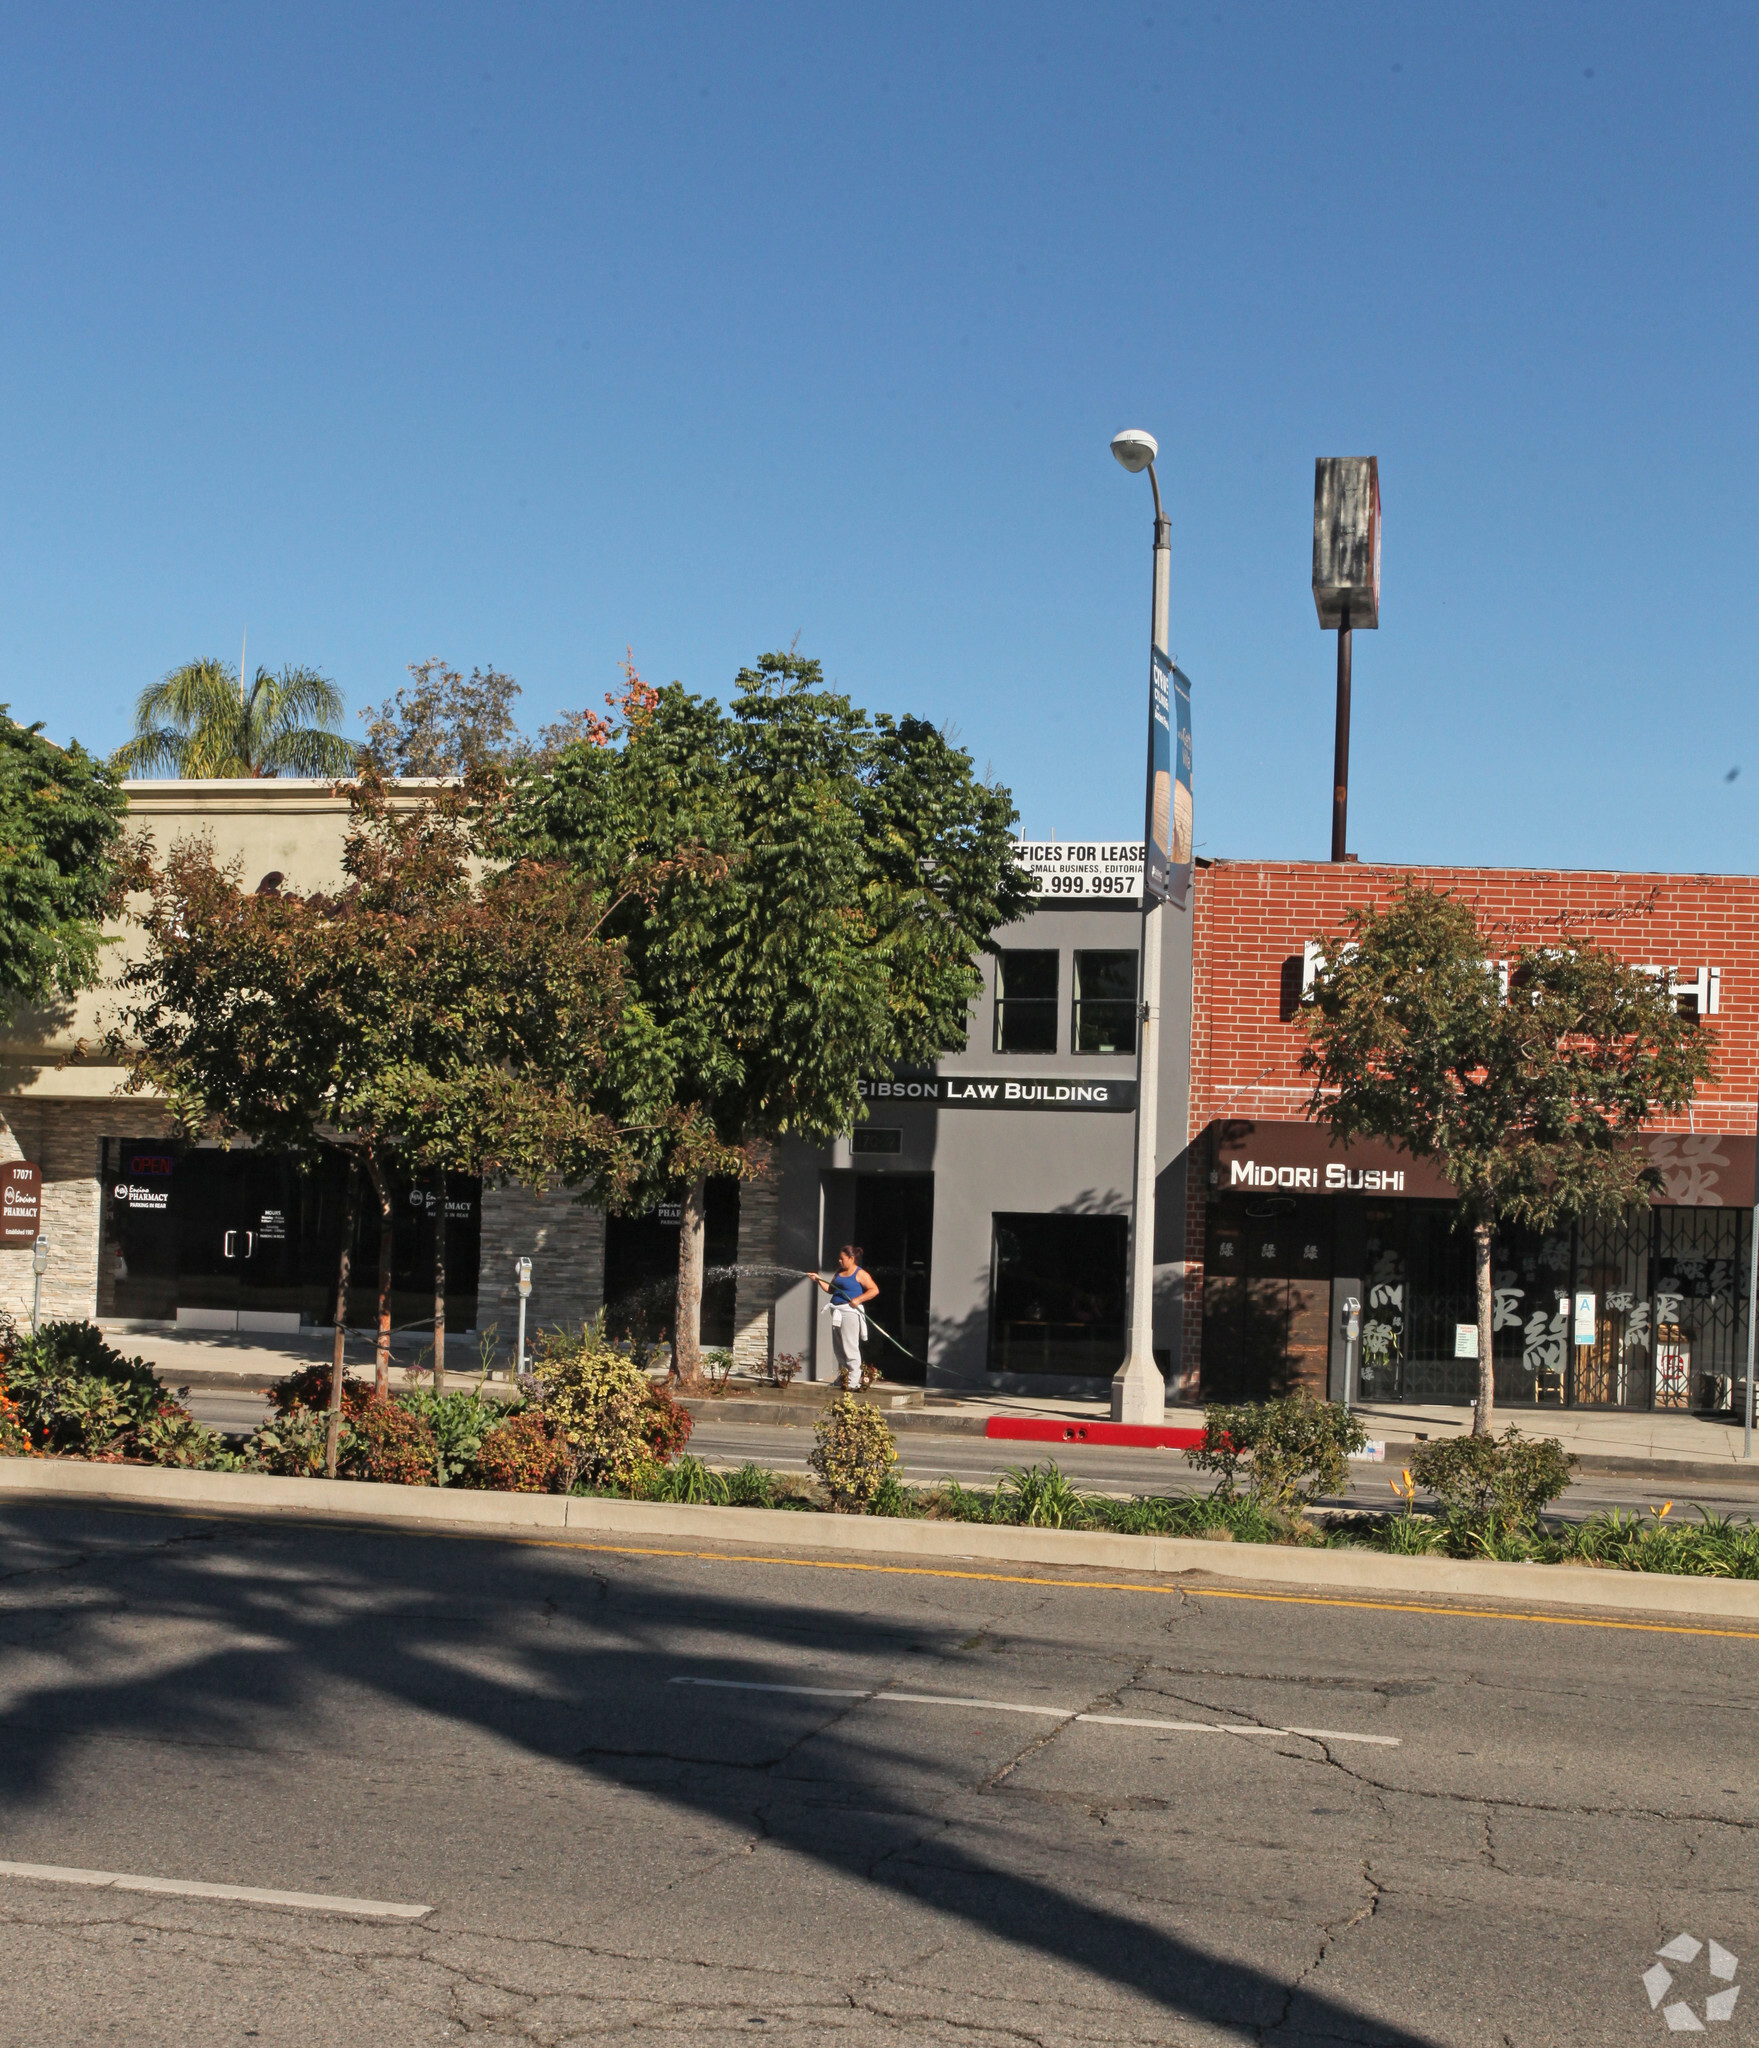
(845, 1287)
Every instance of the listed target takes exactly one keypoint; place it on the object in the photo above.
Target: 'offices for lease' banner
(1084, 869)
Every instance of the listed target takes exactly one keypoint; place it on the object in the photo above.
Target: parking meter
(522, 1267)
(1352, 1333)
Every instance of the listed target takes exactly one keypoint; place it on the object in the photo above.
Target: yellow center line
(923, 1571)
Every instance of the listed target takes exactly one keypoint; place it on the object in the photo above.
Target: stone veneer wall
(66, 1140)
(754, 1296)
(565, 1242)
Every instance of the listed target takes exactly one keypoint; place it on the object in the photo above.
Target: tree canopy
(844, 876)
(200, 722)
(61, 815)
(1529, 1096)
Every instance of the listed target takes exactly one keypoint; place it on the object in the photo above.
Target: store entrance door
(237, 1244)
(894, 1225)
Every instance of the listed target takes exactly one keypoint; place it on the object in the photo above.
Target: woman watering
(851, 1288)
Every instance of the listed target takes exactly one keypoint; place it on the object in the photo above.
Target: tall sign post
(1139, 1393)
(1346, 590)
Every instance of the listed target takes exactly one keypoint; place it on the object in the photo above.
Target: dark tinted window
(1105, 1002)
(1026, 1002)
(1057, 1292)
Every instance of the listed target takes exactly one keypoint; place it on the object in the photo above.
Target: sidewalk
(216, 1358)
(1659, 1436)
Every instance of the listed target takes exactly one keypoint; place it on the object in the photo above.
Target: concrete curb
(1332, 1572)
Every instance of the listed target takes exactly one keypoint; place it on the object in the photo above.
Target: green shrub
(76, 1395)
(519, 1455)
(1715, 1546)
(955, 1503)
(600, 1405)
(71, 1393)
(686, 1480)
(667, 1423)
(854, 1450)
(1160, 1515)
(1038, 1497)
(390, 1443)
(1289, 1451)
(291, 1446)
(13, 1441)
(894, 1499)
(751, 1487)
(309, 1388)
(174, 1437)
(1493, 1485)
(459, 1423)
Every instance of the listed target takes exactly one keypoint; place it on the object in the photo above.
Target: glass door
(212, 1237)
(894, 1225)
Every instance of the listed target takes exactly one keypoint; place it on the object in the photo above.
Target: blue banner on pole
(1167, 827)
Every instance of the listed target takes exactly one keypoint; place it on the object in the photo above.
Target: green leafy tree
(427, 1012)
(834, 881)
(1530, 1100)
(443, 724)
(61, 816)
(200, 721)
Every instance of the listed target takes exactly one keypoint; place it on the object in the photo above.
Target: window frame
(1037, 1006)
(1132, 1002)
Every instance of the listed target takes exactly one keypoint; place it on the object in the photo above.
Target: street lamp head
(1135, 449)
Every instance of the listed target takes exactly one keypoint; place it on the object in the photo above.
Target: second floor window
(1105, 1002)
(1026, 1002)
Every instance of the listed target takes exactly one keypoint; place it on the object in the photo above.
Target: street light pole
(1139, 1393)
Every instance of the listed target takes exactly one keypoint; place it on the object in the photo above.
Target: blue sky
(519, 335)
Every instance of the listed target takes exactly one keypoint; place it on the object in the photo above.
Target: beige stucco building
(108, 1162)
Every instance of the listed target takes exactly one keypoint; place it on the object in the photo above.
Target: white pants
(848, 1327)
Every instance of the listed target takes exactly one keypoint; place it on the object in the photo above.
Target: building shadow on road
(284, 1617)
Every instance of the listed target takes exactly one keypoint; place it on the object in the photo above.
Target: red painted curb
(1036, 1429)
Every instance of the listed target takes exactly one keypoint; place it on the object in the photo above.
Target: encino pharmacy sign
(980, 1091)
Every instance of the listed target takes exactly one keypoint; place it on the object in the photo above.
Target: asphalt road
(925, 1459)
(648, 1796)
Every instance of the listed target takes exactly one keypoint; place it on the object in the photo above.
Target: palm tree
(199, 721)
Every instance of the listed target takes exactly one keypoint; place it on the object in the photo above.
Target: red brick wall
(1251, 917)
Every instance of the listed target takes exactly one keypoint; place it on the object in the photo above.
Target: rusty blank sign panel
(1346, 540)
(21, 1203)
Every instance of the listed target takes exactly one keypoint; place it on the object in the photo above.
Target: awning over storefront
(1699, 1170)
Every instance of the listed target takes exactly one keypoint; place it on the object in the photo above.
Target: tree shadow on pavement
(282, 1617)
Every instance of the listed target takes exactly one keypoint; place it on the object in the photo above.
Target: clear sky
(522, 334)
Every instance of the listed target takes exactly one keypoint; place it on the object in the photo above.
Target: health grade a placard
(1084, 868)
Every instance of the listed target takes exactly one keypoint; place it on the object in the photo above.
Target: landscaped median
(591, 1444)
(885, 1541)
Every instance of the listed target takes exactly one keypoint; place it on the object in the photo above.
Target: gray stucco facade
(983, 1164)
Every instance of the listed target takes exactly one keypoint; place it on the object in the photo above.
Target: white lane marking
(192, 1888)
(939, 1699)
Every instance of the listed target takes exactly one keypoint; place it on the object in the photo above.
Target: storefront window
(1026, 1002)
(1105, 1003)
(1057, 1292)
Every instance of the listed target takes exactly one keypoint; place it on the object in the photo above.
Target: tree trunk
(1484, 1417)
(687, 1323)
(350, 1217)
(440, 1282)
(387, 1249)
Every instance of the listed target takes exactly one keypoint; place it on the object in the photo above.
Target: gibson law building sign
(979, 1091)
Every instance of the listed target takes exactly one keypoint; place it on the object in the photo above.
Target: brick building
(1282, 1228)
